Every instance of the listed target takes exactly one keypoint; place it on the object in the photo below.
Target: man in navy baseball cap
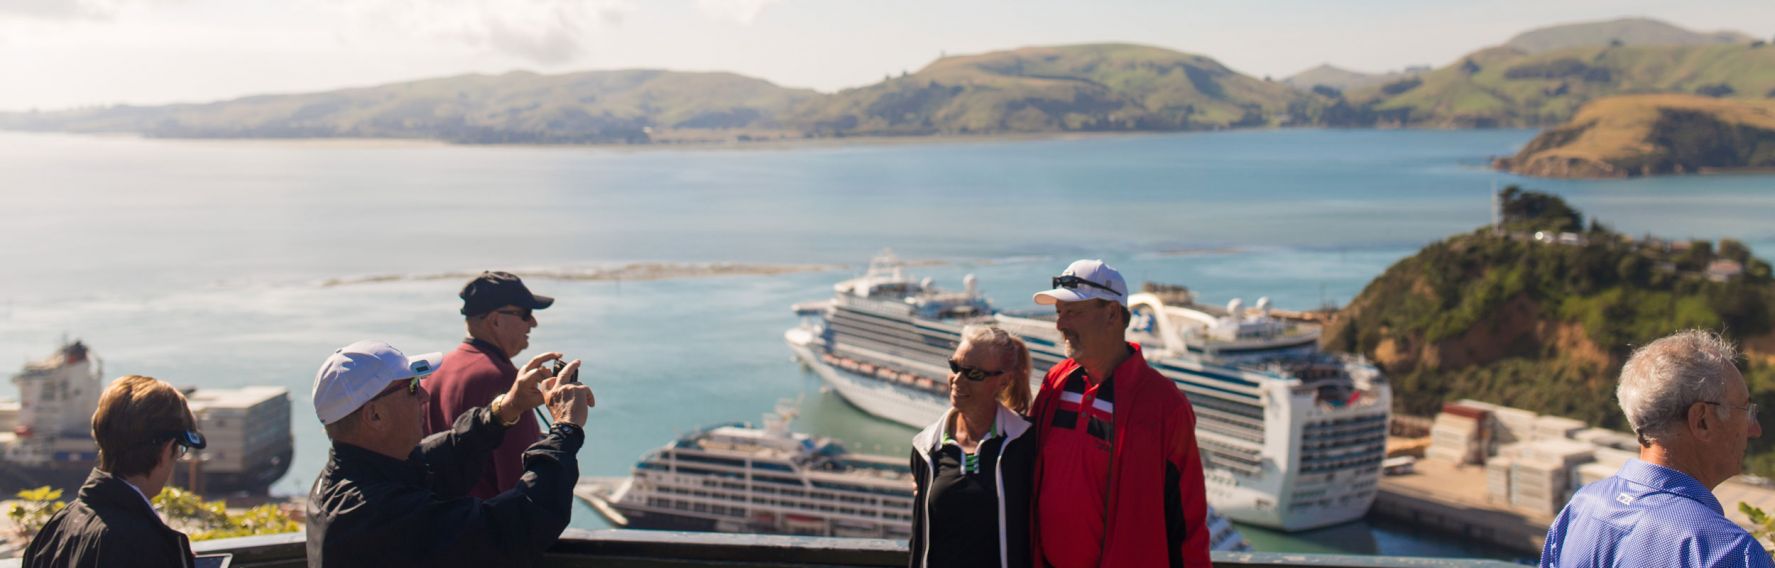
(499, 313)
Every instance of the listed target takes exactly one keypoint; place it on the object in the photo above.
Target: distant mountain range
(1339, 79)
(1540, 77)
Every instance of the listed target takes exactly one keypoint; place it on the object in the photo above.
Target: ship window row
(1376, 448)
(1212, 460)
(1197, 391)
(1373, 438)
(1338, 465)
(1246, 434)
(1345, 433)
(890, 341)
(1382, 418)
(893, 348)
(899, 329)
(1229, 406)
(1331, 502)
(1344, 430)
(693, 505)
(1228, 420)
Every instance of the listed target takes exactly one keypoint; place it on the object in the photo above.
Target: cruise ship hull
(911, 407)
(1248, 499)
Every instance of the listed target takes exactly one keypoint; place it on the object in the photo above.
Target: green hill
(1636, 135)
(1545, 326)
(1506, 86)
(1625, 31)
(1106, 87)
(518, 107)
(1341, 79)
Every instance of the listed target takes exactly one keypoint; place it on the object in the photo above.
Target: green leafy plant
(205, 520)
(38, 506)
(1762, 526)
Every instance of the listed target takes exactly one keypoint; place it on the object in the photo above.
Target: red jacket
(1157, 512)
(468, 378)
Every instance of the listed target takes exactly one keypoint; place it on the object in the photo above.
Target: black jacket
(1012, 472)
(109, 524)
(368, 509)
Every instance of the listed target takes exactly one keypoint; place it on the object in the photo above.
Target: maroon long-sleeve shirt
(469, 377)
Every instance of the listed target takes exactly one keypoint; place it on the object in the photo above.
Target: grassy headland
(1546, 324)
(1653, 134)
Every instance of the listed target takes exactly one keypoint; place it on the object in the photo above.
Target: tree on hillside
(1535, 211)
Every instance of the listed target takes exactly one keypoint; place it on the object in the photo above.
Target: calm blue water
(202, 263)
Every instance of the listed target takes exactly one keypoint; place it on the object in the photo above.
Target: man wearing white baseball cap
(1117, 441)
(390, 496)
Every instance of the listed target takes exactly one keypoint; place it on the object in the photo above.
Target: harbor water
(221, 264)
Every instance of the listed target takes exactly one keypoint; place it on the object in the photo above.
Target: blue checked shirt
(1648, 515)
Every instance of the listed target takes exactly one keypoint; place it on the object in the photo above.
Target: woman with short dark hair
(142, 427)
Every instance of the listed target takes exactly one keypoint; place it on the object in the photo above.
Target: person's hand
(568, 402)
(526, 392)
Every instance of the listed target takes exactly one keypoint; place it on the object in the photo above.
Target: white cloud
(741, 11)
(64, 10)
(542, 31)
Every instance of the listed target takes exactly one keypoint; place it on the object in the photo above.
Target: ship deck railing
(665, 549)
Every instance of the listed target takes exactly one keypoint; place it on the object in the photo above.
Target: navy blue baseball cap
(493, 290)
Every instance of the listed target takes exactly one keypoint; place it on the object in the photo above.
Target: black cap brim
(538, 301)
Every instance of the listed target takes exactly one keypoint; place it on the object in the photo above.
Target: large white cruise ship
(1291, 437)
(733, 478)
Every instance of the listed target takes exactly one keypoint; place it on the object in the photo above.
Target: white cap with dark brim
(358, 372)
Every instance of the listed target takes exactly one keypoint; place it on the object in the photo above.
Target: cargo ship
(46, 435)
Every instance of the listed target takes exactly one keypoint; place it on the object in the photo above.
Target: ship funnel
(971, 285)
(1233, 308)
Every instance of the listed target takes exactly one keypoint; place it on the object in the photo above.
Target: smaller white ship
(737, 479)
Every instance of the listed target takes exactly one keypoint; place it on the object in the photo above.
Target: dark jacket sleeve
(916, 543)
(412, 528)
(1186, 495)
(456, 457)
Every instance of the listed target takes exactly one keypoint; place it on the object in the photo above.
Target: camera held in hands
(561, 367)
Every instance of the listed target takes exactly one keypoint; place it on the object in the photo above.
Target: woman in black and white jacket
(973, 466)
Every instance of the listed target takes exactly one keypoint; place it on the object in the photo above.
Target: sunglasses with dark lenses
(971, 373)
(412, 387)
(1071, 282)
(186, 440)
(526, 315)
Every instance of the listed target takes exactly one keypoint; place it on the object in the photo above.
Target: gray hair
(1665, 377)
(1016, 395)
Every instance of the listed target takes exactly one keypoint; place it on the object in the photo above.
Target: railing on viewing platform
(661, 549)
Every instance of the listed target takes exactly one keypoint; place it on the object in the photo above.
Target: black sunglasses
(186, 440)
(412, 387)
(971, 373)
(1071, 282)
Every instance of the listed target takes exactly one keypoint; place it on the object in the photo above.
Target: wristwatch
(498, 405)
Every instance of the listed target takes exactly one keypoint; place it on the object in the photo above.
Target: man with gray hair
(1687, 401)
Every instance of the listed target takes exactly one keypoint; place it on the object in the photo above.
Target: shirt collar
(348, 456)
(1668, 480)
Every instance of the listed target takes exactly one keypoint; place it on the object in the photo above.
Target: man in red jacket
(1118, 478)
(500, 312)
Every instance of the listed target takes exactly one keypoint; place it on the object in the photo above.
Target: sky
(57, 54)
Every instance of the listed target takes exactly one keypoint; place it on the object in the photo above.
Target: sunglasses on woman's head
(972, 373)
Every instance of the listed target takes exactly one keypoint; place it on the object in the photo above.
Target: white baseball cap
(356, 373)
(1086, 280)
